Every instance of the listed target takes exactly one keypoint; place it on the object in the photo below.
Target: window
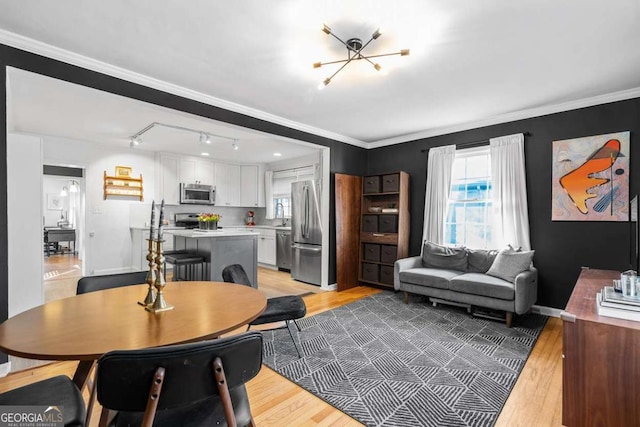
(468, 219)
(282, 207)
(281, 190)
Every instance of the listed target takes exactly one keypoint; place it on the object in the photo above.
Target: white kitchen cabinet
(249, 186)
(227, 181)
(168, 180)
(266, 246)
(195, 170)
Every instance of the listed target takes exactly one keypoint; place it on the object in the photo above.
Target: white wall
(107, 235)
(51, 186)
(24, 222)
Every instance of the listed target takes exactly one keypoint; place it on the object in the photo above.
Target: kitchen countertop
(199, 234)
(222, 227)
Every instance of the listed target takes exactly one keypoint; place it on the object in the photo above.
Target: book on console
(611, 298)
(620, 313)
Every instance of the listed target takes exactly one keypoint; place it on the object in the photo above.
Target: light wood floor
(61, 274)
(536, 399)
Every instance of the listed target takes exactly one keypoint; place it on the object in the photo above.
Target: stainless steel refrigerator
(306, 232)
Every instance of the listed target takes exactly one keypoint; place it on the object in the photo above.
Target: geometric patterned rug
(386, 363)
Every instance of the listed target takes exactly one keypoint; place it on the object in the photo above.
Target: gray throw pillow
(450, 258)
(480, 260)
(509, 264)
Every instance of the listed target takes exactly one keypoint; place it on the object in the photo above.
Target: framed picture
(54, 202)
(124, 171)
(590, 178)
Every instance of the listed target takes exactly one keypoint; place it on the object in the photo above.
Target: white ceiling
(47, 106)
(472, 62)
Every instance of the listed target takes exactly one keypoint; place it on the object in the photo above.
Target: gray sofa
(472, 278)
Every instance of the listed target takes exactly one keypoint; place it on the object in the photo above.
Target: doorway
(63, 225)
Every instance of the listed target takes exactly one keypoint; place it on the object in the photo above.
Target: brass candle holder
(159, 304)
(151, 275)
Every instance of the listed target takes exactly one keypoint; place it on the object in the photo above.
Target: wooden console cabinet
(601, 360)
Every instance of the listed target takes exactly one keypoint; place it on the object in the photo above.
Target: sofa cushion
(480, 260)
(437, 256)
(431, 277)
(481, 284)
(508, 264)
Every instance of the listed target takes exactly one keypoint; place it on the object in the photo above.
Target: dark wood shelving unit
(384, 227)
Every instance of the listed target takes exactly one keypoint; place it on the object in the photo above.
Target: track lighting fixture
(74, 187)
(205, 137)
(354, 52)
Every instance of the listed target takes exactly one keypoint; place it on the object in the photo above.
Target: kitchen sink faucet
(284, 220)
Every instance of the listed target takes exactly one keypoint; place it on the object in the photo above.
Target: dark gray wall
(561, 247)
(344, 158)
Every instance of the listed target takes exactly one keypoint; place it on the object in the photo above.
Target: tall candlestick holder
(151, 275)
(159, 304)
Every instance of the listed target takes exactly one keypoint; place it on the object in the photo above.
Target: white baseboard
(5, 368)
(331, 287)
(546, 311)
(269, 266)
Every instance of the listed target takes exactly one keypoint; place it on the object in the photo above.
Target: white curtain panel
(511, 217)
(436, 195)
(268, 194)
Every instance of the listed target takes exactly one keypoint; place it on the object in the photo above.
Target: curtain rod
(473, 143)
(295, 169)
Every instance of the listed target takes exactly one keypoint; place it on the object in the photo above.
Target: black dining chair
(188, 385)
(59, 392)
(279, 309)
(98, 283)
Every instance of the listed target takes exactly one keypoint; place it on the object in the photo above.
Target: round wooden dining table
(84, 327)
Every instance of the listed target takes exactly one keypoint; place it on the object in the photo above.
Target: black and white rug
(386, 363)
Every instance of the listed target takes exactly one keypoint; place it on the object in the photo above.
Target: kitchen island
(220, 248)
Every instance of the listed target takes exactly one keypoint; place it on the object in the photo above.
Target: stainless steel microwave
(197, 194)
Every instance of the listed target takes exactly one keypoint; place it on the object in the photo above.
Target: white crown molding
(512, 117)
(30, 45)
(34, 46)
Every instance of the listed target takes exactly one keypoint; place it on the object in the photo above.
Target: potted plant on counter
(208, 221)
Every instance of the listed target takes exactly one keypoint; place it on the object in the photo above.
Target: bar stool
(186, 265)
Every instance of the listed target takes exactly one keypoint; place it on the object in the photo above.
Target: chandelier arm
(383, 54)
(333, 62)
(366, 58)
(340, 69)
(339, 39)
(364, 46)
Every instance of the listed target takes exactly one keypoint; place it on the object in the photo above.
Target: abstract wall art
(590, 178)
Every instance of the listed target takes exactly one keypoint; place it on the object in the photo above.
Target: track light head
(377, 34)
(235, 147)
(377, 67)
(326, 29)
(317, 64)
(404, 52)
(135, 140)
